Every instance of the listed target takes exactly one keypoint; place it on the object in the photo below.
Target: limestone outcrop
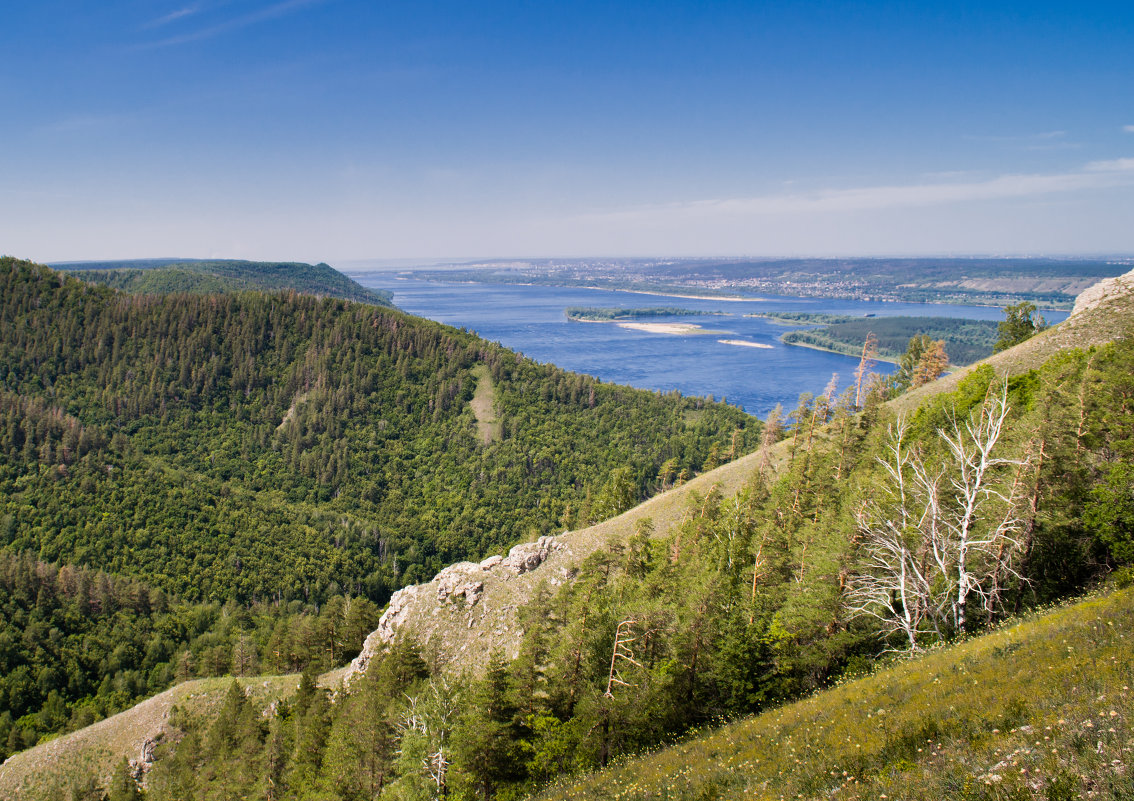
(1107, 289)
(453, 592)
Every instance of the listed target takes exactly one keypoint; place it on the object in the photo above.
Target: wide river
(530, 319)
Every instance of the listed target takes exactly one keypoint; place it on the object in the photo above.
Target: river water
(531, 320)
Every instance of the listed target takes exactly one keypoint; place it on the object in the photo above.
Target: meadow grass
(1040, 709)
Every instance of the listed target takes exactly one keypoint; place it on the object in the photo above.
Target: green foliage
(966, 341)
(284, 461)
(1110, 512)
(78, 645)
(965, 722)
(744, 607)
(205, 276)
(606, 314)
(255, 446)
(1020, 323)
(903, 377)
(123, 786)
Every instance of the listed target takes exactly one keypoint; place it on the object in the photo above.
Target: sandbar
(665, 328)
(744, 343)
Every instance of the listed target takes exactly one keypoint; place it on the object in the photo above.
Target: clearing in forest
(483, 405)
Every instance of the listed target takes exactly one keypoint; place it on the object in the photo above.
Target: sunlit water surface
(531, 320)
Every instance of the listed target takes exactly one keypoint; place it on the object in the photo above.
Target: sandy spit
(744, 343)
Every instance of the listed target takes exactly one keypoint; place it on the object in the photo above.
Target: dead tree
(938, 537)
(865, 364)
(623, 636)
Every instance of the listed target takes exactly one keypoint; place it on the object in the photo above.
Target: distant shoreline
(729, 298)
(839, 352)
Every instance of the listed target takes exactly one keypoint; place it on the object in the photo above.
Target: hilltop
(1102, 313)
(164, 276)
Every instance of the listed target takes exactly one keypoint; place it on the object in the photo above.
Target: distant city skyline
(347, 131)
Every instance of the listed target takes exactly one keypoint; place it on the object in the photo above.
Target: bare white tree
(428, 721)
(933, 538)
(982, 525)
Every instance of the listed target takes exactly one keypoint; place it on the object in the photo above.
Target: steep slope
(469, 610)
(52, 768)
(163, 276)
(1038, 709)
(134, 429)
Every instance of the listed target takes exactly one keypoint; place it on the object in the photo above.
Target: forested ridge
(282, 451)
(163, 276)
(754, 600)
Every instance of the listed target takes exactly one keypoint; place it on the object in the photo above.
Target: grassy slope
(99, 748)
(1043, 706)
(489, 426)
(453, 635)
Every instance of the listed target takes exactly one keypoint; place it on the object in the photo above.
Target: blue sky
(337, 130)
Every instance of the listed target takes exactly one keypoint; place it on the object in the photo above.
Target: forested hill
(252, 445)
(196, 484)
(162, 276)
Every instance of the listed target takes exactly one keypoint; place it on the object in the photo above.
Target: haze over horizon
(345, 131)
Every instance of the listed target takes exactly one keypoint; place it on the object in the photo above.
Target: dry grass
(462, 638)
(97, 749)
(1039, 709)
(483, 404)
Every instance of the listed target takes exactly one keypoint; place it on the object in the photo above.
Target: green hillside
(163, 276)
(1040, 709)
(255, 459)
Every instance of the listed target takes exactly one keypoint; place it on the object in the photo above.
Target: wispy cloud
(1114, 165)
(1128, 128)
(172, 16)
(1095, 175)
(1042, 136)
(236, 23)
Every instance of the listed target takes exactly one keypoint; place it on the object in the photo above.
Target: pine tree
(123, 786)
(932, 364)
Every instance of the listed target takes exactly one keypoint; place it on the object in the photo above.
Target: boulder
(531, 555)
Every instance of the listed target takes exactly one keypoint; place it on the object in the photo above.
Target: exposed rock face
(457, 588)
(1103, 291)
(523, 558)
(141, 766)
